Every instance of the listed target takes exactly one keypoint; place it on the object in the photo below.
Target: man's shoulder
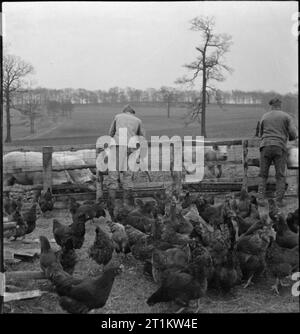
(127, 116)
(276, 113)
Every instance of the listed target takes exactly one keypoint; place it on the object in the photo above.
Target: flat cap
(275, 102)
(128, 108)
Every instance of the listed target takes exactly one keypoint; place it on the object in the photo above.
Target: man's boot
(112, 194)
(261, 194)
(280, 191)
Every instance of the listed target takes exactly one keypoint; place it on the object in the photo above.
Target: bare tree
(29, 108)
(209, 63)
(167, 96)
(14, 71)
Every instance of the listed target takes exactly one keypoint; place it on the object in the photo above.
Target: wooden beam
(12, 296)
(24, 275)
(9, 226)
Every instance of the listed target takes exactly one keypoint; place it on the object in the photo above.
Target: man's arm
(257, 129)
(112, 130)
(141, 131)
(260, 129)
(292, 130)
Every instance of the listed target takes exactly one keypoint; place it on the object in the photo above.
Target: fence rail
(47, 168)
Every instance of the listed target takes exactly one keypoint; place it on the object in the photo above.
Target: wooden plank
(9, 226)
(20, 275)
(12, 296)
(24, 254)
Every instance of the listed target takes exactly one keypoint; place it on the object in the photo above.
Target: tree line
(206, 70)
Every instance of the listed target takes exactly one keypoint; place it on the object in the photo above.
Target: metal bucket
(292, 159)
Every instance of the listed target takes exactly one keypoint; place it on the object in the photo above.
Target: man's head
(275, 103)
(129, 109)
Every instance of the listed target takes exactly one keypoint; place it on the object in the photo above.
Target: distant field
(89, 122)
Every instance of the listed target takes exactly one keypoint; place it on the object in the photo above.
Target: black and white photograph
(149, 160)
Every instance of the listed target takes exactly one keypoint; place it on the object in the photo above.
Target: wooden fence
(212, 185)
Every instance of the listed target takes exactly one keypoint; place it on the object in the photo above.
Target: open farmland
(91, 121)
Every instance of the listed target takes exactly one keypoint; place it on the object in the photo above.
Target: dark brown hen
(46, 201)
(67, 257)
(281, 262)
(30, 218)
(47, 257)
(183, 285)
(90, 293)
(102, 249)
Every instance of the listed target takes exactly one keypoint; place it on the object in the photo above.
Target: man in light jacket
(132, 125)
(276, 128)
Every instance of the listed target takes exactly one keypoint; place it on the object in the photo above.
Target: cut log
(19, 275)
(11, 296)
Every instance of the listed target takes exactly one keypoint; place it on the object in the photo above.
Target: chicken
(48, 257)
(273, 209)
(226, 275)
(142, 245)
(141, 218)
(183, 285)
(102, 249)
(144, 209)
(67, 257)
(119, 237)
(97, 207)
(30, 218)
(121, 209)
(75, 231)
(177, 229)
(21, 227)
(206, 210)
(284, 236)
(244, 207)
(139, 222)
(90, 293)
(292, 221)
(46, 201)
(281, 262)
(251, 250)
(161, 200)
(73, 206)
(11, 205)
(172, 258)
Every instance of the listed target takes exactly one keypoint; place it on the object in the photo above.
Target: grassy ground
(89, 122)
(133, 287)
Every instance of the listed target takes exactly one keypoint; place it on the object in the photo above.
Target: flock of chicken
(187, 243)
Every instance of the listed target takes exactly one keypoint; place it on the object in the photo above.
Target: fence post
(245, 164)
(47, 167)
(99, 178)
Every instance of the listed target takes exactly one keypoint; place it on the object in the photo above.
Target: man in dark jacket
(276, 128)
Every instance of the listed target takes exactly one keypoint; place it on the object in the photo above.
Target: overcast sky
(105, 44)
